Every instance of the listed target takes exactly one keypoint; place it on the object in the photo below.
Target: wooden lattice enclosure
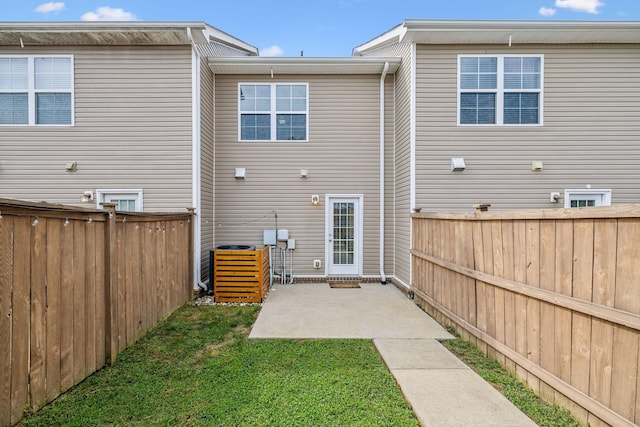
(240, 276)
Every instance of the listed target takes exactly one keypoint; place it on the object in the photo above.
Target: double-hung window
(273, 111)
(500, 89)
(36, 90)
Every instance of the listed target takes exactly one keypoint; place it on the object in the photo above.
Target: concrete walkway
(441, 389)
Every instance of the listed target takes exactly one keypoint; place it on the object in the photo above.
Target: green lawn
(198, 368)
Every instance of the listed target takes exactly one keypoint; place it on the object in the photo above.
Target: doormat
(343, 285)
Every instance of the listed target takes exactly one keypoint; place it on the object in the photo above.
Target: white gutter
(383, 277)
(195, 168)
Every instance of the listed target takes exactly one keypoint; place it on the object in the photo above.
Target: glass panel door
(343, 236)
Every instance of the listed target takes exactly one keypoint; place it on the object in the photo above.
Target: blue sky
(319, 28)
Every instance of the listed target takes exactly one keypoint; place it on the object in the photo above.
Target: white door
(344, 240)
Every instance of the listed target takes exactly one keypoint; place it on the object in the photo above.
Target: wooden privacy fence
(240, 276)
(76, 287)
(552, 294)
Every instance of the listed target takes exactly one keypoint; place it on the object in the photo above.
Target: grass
(541, 412)
(199, 368)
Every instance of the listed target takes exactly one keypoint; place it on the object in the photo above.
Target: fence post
(111, 285)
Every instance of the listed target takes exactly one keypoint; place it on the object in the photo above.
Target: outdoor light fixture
(536, 165)
(241, 173)
(315, 199)
(304, 173)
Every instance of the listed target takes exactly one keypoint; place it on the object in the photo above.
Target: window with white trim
(273, 111)
(36, 90)
(500, 89)
(125, 200)
(586, 198)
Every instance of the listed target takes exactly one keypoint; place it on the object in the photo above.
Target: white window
(500, 89)
(273, 111)
(36, 90)
(586, 198)
(125, 200)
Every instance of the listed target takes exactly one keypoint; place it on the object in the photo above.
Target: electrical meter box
(269, 237)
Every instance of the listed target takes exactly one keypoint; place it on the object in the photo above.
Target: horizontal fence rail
(552, 294)
(76, 287)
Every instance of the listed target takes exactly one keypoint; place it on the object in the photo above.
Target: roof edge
(75, 26)
(394, 35)
(302, 65)
(215, 34)
(445, 31)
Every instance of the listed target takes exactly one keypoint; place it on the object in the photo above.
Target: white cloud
(272, 51)
(106, 13)
(547, 11)
(589, 6)
(50, 7)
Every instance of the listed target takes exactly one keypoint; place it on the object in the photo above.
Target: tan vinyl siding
(207, 198)
(341, 155)
(133, 129)
(402, 167)
(400, 195)
(589, 136)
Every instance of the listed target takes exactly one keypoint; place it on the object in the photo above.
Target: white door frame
(358, 232)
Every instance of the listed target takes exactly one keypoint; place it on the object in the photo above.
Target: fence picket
(6, 291)
(54, 307)
(38, 329)
(20, 316)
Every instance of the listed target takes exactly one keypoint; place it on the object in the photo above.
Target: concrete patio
(441, 389)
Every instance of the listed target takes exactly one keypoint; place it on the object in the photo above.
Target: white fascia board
(73, 26)
(302, 65)
(498, 32)
(549, 32)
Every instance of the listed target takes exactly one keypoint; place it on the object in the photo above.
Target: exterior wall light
(315, 199)
(241, 173)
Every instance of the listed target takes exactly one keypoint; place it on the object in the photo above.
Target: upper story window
(500, 90)
(273, 112)
(36, 90)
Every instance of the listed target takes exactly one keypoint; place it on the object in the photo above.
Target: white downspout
(195, 168)
(383, 277)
